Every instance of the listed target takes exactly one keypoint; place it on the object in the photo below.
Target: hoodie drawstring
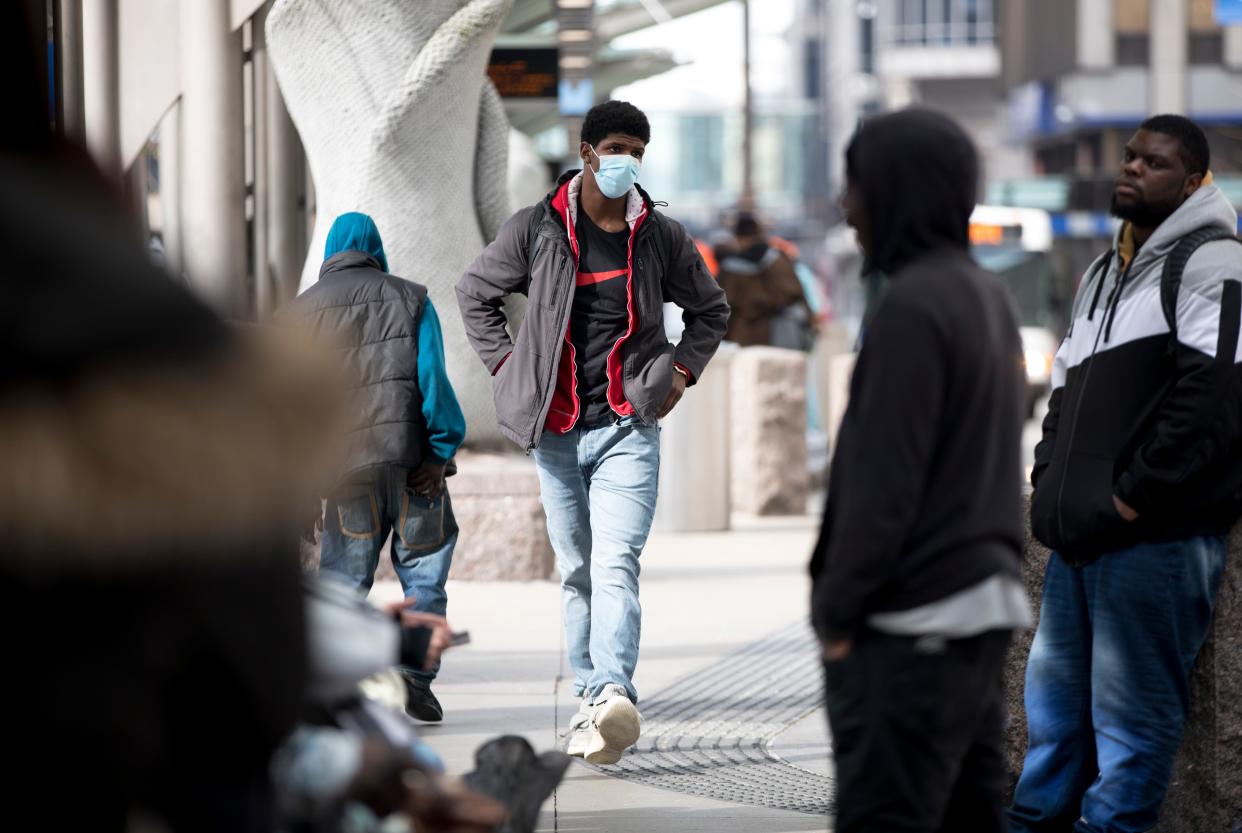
(1114, 302)
(1102, 272)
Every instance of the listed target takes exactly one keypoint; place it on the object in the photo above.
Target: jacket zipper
(1086, 376)
(627, 357)
(560, 267)
(562, 318)
(563, 322)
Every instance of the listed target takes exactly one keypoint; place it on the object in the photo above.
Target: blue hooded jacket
(446, 425)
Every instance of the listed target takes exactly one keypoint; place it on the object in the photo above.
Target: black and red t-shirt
(600, 316)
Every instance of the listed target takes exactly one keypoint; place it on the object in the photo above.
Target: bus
(1016, 244)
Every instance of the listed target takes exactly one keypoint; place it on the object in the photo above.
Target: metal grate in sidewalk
(709, 733)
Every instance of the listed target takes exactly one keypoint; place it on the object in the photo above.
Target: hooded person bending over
(916, 572)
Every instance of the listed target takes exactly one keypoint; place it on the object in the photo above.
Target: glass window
(866, 45)
(942, 30)
(913, 22)
(1205, 48)
(701, 154)
(1133, 50)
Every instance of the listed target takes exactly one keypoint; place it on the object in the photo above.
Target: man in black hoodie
(916, 588)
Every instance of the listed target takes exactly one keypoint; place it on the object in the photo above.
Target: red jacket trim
(566, 407)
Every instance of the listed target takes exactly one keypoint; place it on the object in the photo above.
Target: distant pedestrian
(916, 573)
(762, 287)
(408, 428)
(1137, 481)
(585, 384)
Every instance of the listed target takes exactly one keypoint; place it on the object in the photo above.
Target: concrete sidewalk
(705, 596)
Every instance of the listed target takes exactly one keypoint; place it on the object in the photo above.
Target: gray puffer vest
(372, 317)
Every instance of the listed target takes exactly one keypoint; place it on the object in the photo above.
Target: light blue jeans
(599, 492)
(357, 521)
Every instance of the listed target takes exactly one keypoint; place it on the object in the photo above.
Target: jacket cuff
(1128, 490)
(500, 363)
(837, 634)
(828, 626)
(692, 368)
(834, 627)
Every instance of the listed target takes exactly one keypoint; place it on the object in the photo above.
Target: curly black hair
(615, 117)
(1193, 144)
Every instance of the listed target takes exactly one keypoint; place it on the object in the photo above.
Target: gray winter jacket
(1141, 411)
(535, 255)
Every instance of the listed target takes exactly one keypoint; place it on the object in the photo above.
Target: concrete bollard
(694, 455)
(768, 430)
(1206, 793)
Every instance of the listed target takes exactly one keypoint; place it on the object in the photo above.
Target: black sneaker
(420, 703)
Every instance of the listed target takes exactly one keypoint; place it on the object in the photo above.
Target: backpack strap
(1175, 265)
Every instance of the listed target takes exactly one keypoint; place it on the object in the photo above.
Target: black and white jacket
(1138, 411)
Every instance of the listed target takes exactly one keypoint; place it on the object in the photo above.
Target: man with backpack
(761, 284)
(583, 385)
(1137, 481)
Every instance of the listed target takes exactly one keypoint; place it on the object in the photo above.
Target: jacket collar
(348, 260)
(563, 203)
(565, 195)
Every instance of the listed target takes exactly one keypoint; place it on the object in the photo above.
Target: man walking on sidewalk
(408, 428)
(761, 286)
(1137, 481)
(584, 385)
(916, 572)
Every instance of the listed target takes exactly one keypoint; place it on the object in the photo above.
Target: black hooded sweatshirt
(925, 492)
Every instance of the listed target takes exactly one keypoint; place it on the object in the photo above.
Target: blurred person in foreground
(354, 762)
(1137, 483)
(407, 428)
(155, 461)
(156, 465)
(585, 384)
(917, 586)
(765, 295)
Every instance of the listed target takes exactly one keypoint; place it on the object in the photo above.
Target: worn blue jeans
(599, 493)
(1107, 685)
(357, 521)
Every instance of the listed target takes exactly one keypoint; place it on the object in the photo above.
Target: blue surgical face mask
(616, 175)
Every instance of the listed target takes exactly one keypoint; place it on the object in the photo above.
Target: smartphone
(460, 638)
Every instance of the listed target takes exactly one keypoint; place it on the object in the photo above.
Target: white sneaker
(580, 730)
(617, 725)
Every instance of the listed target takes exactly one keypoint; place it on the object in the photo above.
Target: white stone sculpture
(399, 121)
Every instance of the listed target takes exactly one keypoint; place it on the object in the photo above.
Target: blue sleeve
(446, 426)
(807, 278)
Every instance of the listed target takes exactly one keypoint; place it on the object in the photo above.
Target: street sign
(1229, 12)
(526, 72)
